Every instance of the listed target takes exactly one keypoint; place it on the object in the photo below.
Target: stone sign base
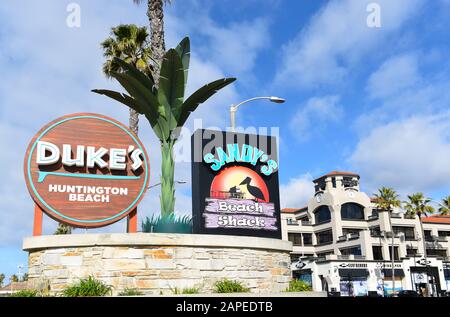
(158, 263)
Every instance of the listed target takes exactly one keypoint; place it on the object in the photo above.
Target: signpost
(235, 184)
(86, 170)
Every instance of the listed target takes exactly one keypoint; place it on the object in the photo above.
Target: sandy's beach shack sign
(235, 186)
(86, 170)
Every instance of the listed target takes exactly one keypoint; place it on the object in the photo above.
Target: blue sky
(370, 100)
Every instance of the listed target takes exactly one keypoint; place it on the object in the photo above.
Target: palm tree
(130, 43)
(155, 14)
(164, 107)
(387, 199)
(25, 277)
(14, 278)
(444, 209)
(2, 279)
(63, 229)
(418, 205)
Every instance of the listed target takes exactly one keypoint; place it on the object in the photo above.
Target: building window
(324, 237)
(291, 221)
(377, 252)
(352, 211)
(346, 231)
(351, 251)
(295, 238)
(307, 238)
(322, 214)
(349, 182)
(396, 255)
(437, 252)
(375, 232)
(409, 232)
(411, 252)
(295, 258)
(323, 254)
(444, 233)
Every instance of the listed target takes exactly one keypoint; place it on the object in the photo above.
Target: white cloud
(409, 155)
(233, 47)
(297, 191)
(393, 76)
(311, 117)
(401, 87)
(44, 77)
(337, 38)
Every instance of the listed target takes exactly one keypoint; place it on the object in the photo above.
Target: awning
(353, 273)
(397, 272)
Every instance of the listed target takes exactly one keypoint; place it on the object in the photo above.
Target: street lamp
(234, 108)
(157, 184)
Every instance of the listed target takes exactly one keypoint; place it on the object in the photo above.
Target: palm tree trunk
(155, 15)
(167, 179)
(134, 121)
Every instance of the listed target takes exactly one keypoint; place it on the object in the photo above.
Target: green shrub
(87, 288)
(130, 292)
(168, 224)
(188, 290)
(227, 286)
(26, 293)
(298, 286)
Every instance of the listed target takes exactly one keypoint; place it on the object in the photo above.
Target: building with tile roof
(342, 243)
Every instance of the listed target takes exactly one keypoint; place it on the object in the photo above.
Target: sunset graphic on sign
(239, 182)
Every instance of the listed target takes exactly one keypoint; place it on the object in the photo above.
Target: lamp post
(234, 108)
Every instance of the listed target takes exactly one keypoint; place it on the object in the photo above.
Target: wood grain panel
(88, 130)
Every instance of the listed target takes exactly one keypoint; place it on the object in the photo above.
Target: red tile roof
(293, 210)
(437, 219)
(16, 286)
(337, 173)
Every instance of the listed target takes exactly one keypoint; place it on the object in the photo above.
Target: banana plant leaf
(171, 86)
(200, 96)
(184, 50)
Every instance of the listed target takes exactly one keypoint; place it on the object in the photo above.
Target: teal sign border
(30, 179)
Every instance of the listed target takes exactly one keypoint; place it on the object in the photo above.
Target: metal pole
(392, 253)
(233, 118)
(234, 108)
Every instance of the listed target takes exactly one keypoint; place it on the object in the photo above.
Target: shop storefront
(303, 275)
(419, 278)
(353, 282)
(388, 284)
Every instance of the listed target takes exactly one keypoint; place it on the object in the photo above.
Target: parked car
(407, 293)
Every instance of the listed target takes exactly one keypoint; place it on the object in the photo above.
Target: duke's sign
(86, 170)
(235, 184)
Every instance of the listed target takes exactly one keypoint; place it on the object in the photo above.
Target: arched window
(352, 211)
(322, 214)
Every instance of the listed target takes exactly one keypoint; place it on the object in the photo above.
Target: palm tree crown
(444, 210)
(129, 43)
(387, 198)
(418, 205)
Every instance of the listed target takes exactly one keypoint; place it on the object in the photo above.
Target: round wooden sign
(86, 170)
